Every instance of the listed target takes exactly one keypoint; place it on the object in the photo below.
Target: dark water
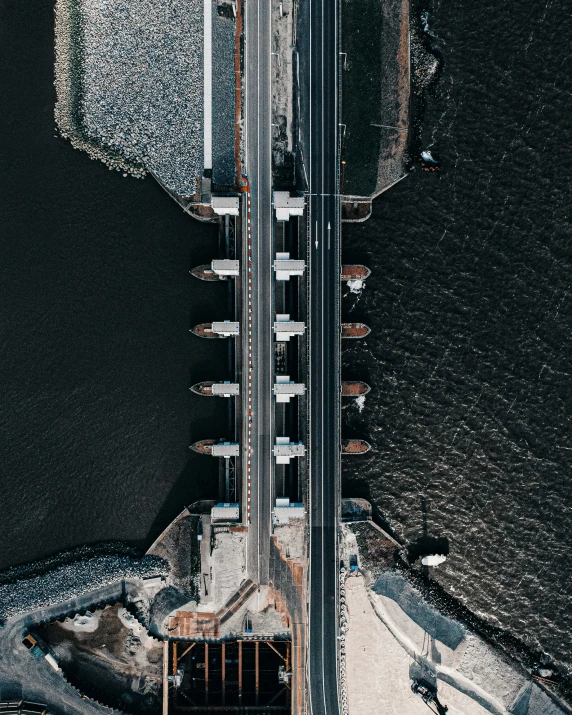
(95, 354)
(470, 303)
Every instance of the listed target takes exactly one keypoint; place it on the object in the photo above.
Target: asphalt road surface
(324, 226)
(258, 62)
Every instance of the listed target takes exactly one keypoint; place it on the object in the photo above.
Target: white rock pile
(72, 580)
(140, 85)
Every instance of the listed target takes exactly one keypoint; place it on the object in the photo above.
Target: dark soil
(361, 94)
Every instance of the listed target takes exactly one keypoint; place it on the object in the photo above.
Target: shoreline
(71, 575)
(387, 576)
(470, 662)
(67, 81)
(497, 637)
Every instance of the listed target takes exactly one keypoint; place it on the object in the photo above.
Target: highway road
(258, 154)
(321, 117)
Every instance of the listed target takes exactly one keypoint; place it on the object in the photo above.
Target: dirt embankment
(109, 657)
(395, 636)
(375, 95)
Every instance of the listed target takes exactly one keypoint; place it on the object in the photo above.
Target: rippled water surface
(470, 304)
(95, 354)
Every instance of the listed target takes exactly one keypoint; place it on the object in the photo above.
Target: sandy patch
(386, 650)
(227, 567)
(291, 538)
(87, 623)
(377, 666)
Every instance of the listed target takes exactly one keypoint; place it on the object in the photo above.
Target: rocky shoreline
(68, 83)
(384, 563)
(70, 575)
(129, 85)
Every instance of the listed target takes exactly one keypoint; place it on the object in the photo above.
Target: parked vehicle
(38, 649)
(429, 697)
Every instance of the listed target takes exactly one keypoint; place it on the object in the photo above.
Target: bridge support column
(256, 669)
(223, 656)
(240, 672)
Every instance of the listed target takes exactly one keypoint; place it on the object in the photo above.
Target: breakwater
(69, 82)
(72, 575)
(130, 87)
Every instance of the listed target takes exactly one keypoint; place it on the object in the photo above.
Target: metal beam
(275, 697)
(234, 708)
(184, 653)
(268, 643)
(165, 677)
(240, 671)
(206, 673)
(256, 669)
(287, 659)
(223, 672)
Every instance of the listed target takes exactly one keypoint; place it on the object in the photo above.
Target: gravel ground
(396, 588)
(386, 649)
(23, 676)
(72, 580)
(292, 539)
(375, 658)
(228, 567)
(223, 30)
(142, 81)
(117, 663)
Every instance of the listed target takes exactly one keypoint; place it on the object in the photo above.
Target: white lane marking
(310, 495)
(323, 441)
(258, 38)
(270, 440)
(322, 377)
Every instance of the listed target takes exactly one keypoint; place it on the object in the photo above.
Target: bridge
(288, 383)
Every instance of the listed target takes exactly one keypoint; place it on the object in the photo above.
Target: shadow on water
(354, 486)
(426, 544)
(360, 489)
(96, 358)
(198, 480)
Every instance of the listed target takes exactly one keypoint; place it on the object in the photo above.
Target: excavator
(429, 697)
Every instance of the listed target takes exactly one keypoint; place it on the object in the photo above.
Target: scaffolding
(247, 675)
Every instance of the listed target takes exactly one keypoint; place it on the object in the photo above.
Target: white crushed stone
(87, 623)
(29, 591)
(140, 79)
(228, 567)
(143, 84)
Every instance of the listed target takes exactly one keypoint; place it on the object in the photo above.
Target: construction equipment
(429, 697)
(284, 676)
(38, 649)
